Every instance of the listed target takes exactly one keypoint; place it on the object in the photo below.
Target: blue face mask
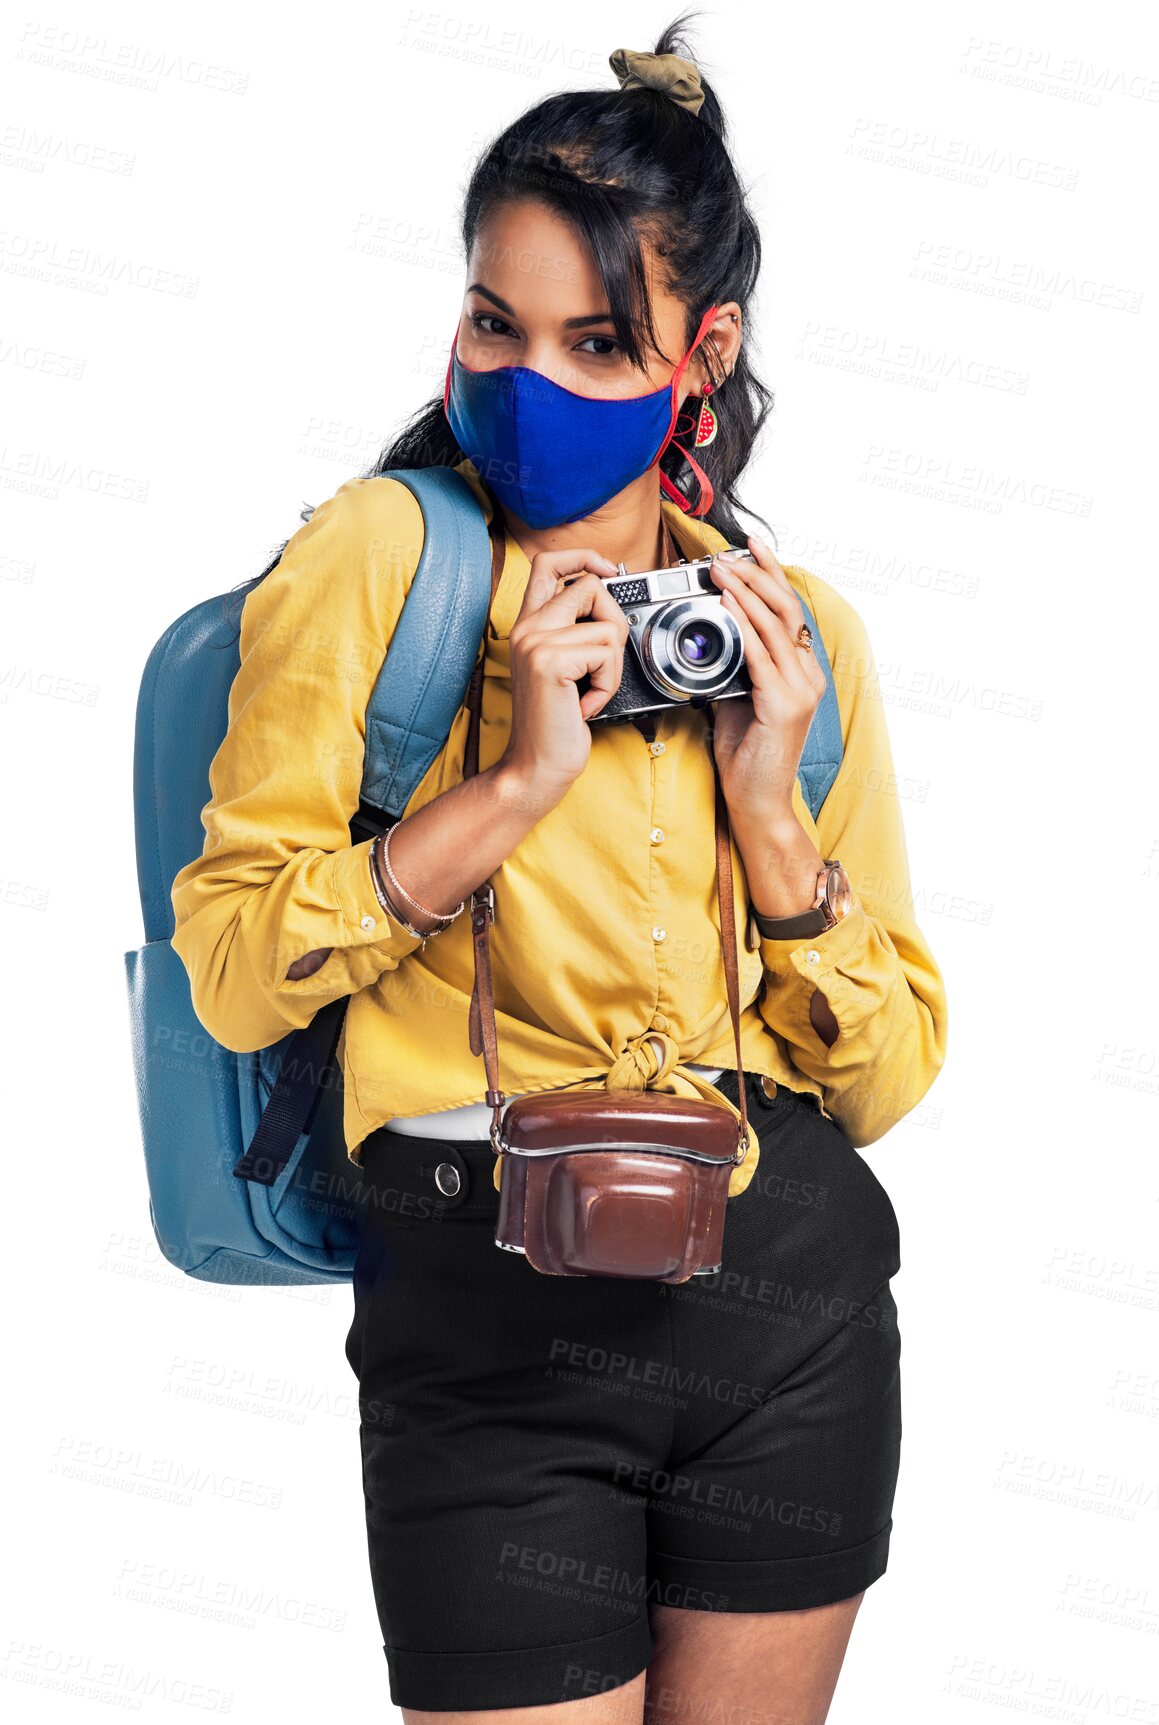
(551, 456)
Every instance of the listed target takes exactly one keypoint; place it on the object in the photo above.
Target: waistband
(425, 1178)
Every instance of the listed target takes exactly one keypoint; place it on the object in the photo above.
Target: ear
(724, 334)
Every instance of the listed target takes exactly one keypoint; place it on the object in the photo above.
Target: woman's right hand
(550, 650)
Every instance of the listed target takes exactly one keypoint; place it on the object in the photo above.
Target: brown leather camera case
(598, 1182)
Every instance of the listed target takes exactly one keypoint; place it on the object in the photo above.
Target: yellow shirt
(606, 944)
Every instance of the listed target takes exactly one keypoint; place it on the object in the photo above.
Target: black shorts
(545, 1456)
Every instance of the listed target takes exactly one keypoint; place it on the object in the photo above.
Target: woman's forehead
(533, 261)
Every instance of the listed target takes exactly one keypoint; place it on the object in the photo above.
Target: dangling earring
(706, 425)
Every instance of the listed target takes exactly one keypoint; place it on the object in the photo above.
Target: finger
(584, 596)
(759, 662)
(764, 562)
(767, 621)
(588, 649)
(793, 658)
(765, 557)
(550, 568)
(765, 576)
(605, 675)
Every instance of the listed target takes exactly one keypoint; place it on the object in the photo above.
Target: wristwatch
(834, 900)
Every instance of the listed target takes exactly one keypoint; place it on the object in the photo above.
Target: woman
(596, 1498)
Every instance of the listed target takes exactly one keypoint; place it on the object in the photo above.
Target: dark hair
(621, 166)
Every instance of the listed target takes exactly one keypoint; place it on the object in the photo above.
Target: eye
(479, 318)
(483, 320)
(612, 347)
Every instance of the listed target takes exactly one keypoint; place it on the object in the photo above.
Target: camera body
(684, 647)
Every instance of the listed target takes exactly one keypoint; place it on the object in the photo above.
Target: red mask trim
(666, 485)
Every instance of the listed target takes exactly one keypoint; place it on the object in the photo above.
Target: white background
(957, 314)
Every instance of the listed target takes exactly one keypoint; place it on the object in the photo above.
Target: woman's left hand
(759, 740)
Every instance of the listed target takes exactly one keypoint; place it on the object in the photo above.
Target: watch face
(838, 892)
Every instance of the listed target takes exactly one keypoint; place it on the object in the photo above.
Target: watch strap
(791, 927)
(815, 920)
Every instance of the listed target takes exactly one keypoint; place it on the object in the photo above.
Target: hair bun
(671, 74)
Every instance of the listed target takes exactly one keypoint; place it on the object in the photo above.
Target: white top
(473, 1119)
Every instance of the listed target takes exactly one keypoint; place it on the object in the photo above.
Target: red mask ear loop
(677, 496)
(450, 363)
(666, 485)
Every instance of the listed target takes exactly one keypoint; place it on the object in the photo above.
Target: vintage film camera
(684, 646)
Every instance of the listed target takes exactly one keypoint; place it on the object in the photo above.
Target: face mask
(551, 456)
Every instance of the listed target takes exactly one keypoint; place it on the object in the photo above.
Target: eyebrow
(568, 323)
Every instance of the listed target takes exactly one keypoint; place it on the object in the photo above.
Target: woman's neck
(631, 529)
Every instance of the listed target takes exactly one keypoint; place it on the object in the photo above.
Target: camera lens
(699, 643)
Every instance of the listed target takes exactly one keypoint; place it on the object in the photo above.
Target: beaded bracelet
(387, 903)
(444, 917)
(380, 895)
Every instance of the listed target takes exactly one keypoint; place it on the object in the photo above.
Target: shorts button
(447, 1178)
(769, 1092)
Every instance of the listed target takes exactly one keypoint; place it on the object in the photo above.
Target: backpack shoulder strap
(420, 688)
(423, 681)
(822, 755)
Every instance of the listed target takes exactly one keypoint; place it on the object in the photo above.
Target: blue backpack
(248, 1173)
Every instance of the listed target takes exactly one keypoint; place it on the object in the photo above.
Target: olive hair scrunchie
(670, 73)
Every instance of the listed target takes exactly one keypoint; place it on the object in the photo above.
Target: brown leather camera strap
(481, 1020)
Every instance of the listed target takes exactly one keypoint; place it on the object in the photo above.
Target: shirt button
(656, 748)
(367, 922)
(659, 934)
(813, 956)
(659, 1021)
(657, 835)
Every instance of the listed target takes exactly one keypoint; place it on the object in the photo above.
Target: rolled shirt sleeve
(278, 876)
(874, 968)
